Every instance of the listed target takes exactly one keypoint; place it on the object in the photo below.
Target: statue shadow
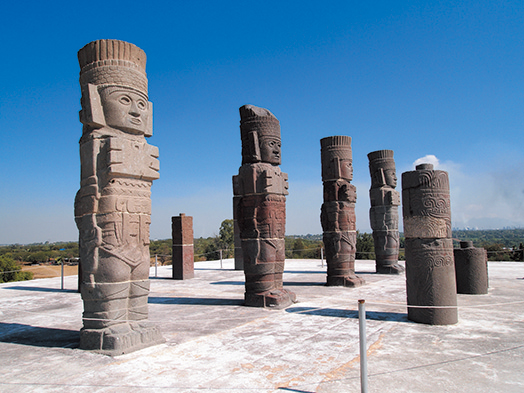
(196, 301)
(333, 312)
(41, 289)
(16, 333)
(228, 283)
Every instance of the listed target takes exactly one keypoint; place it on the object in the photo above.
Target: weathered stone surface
(430, 271)
(471, 269)
(113, 205)
(183, 251)
(260, 209)
(338, 211)
(383, 213)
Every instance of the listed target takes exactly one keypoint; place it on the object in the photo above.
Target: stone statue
(430, 270)
(471, 269)
(113, 205)
(183, 260)
(383, 214)
(338, 211)
(260, 189)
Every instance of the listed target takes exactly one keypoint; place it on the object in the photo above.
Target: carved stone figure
(383, 214)
(183, 251)
(113, 205)
(471, 269)
(430, 271)
(338, 211)
(260, 189)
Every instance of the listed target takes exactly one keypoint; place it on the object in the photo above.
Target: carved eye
(125, 100)
(141, 105)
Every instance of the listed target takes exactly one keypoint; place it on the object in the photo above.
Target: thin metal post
(220, 259)
(363, 346)
(156, 265)
(62, 262)
(322, 255)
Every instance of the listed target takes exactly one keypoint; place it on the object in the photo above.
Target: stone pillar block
(183, 251)
(430, 271)
(471, 269)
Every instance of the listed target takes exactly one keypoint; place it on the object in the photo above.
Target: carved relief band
(260, 190)
(471, 269)
(383, 213)
(338, 211)
(430, 270)
(113, 205)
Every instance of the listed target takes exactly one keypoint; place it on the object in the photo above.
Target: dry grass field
(47, 271)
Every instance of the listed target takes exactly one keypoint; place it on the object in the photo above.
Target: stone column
(183, 252)
(239, 257)
(383, 214)
(338, 211)
(260, 189)
(471, 269)
(430, 270)
(113, 205)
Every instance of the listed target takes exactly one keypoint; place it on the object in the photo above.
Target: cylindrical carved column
(430, 272)
(113, 205)
(260, 190)
(471, 269)
(338, 211)
(383, 214)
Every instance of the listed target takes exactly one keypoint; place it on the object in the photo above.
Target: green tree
(11, 271)
(365, 246)
(226, 238)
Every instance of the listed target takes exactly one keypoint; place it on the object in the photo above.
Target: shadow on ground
(16, 333)
(196, 301)
(333, 312)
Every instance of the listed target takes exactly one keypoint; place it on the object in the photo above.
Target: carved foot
(390, 269)
(277, 299)
(120, 339)
(352, 281)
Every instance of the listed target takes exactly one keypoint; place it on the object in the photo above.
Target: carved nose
(133, 111)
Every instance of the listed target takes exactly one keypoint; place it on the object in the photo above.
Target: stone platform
(214, 344)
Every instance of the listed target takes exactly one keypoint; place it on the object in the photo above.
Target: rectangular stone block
(183, 252)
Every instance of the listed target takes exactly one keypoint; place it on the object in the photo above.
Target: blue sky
(423, 78)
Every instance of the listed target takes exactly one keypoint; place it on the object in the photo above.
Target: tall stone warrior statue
(338, 211)
(430, 268)
(260, 190)
(383, 214)
(113, 205)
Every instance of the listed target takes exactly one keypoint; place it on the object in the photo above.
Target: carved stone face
(270, 150)
(125, 109)
(346, 169)
(391, 177)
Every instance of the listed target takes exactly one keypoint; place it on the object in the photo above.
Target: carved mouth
(135, 120)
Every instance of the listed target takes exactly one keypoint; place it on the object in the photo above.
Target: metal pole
(62, 262)
(322, 255)
(156, 265)
(220, 259)
(363, 346)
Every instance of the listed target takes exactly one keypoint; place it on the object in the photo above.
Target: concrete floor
(214, 344)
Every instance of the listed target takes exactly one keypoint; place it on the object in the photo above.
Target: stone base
(120, 339)
(277, 299)
(390, 269)
(352, 281)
